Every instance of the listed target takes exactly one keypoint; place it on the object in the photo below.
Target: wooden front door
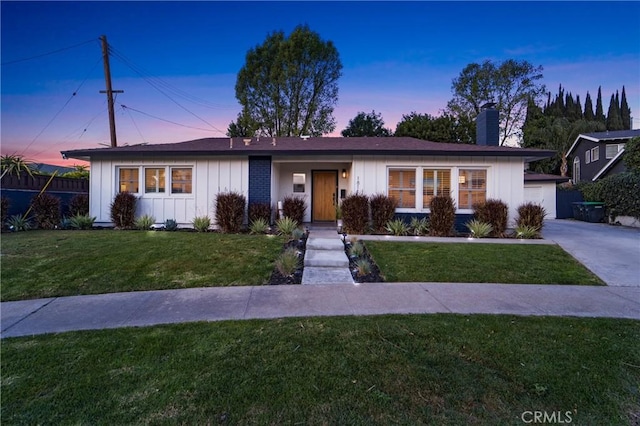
(323, 195)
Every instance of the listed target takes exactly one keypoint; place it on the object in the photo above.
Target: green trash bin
(593, 211)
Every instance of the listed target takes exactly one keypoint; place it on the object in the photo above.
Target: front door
(323, 195)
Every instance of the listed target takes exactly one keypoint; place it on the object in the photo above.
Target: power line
(134, 123)
(48, 53)
(165, 120)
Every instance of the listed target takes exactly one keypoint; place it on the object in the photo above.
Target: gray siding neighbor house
(598, 155)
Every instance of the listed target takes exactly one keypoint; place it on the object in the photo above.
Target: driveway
(610, 252)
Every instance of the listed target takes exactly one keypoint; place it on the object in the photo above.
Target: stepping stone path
(325, 261)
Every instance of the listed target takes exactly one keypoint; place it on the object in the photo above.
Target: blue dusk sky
(398, 57)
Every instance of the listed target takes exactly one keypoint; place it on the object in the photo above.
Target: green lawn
(63, 263)
(478, 263)
(417, 369)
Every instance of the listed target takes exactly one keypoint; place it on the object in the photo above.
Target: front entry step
(326, 258)
(326, 275)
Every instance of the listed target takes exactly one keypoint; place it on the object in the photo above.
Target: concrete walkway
(147, 308)
(325, 261)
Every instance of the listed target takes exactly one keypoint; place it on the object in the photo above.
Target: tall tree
(446, 128)
(509, 84)
(288, 86)
(614, 121)
(366, 124)
(599, 109)
(625, 111)
(588, 109)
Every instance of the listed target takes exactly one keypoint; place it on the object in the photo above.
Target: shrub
(288, 262)
(297, 234)
(123, 210)
(479, 229)
(591, 191)
(4, 209)
(356, 250)
(170, 225)
(81, 221)
(419, 226)
(19, 222)
(531, 215)
(355, 214)
(363, 267)
(383, 209)
(397, 227)
(79, 205)
(260, 211)
(631, 155)
(201, 223)
(294, 207)
(259, 226)
(46, 211)
(286, 226)
(495, 213)
(526, 232)
(621, 194)
(230, 211)
(443, 216)
(144, 222)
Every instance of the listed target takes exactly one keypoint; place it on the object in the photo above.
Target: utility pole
(109, 91)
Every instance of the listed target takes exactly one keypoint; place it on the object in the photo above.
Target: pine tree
(578, 108)
(614, 122)
(625, 112)
(599, 110)
(588, 109)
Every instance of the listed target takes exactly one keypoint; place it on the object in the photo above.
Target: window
(587, 156)
(435, 182)
(154, 181)
(299, 180)
(576, 170)
(611, 150)
(128, 180)
(472, 188)
(402, 187)
(181, 180)
(595, 153)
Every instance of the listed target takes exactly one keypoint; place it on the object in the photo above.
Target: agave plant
(479, 229)
(419, 226)
(19, 222)
(259, 226)
(527, 232)
(170, 225)
(286, 225)
(81, 221)
(397, 227)
(201, 223)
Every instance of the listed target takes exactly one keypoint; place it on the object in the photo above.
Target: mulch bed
(374, 276)
(277, 278)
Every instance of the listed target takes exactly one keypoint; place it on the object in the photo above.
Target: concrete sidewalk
(30, 317)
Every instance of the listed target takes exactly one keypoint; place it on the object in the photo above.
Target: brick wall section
(259, 180)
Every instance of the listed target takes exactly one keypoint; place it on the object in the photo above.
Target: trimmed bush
(294, 208)
(619, 192)
(383, 209)
(230, 211)
(260, 211)
(355, 214)
(443, 216)
(79, 205)
(495, 213)
(531, 215)
(46, 211)
(123, 210)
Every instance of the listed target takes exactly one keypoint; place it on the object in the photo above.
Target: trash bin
(588, 211)
(593, 212)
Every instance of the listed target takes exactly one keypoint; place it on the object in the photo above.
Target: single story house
(540, 188)
(181, 180)
(598, 155)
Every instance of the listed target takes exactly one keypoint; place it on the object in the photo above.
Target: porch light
(462, 179)
(344, 173)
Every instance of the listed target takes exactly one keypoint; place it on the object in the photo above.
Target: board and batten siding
(505, 175)
(543, 193)
(210, 177)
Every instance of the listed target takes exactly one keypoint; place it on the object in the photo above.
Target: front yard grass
(478, 263)
(417, 369)
(39, 264)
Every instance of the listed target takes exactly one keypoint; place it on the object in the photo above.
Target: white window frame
(618, 147)
(118, 182)
(157, 192)
(587, 156)
(168, 180)
(486, 185)
(576, 169)
(180, 194)
(595, 154)
(416, 185)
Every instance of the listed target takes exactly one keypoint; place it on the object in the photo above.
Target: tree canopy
(366, 124)
(288, 86)
(446, 128)
(509, 84)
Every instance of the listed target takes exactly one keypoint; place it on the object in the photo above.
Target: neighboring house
(540, 188)
(597, 155)
(181, 180)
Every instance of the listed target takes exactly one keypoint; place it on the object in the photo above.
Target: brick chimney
(488, 125)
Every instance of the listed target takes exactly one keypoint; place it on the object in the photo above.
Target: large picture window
(181, 180)
(402, 187)
(154, 180)
(472, 188)
(128, 180)
(434, 183)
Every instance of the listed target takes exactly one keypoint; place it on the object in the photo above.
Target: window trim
(157, 192)
(576, 169)
(180, 194)
(141, 168)
(486, 186)
(595, 153)
(587, 156)
(417, 194)
(118, 180)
